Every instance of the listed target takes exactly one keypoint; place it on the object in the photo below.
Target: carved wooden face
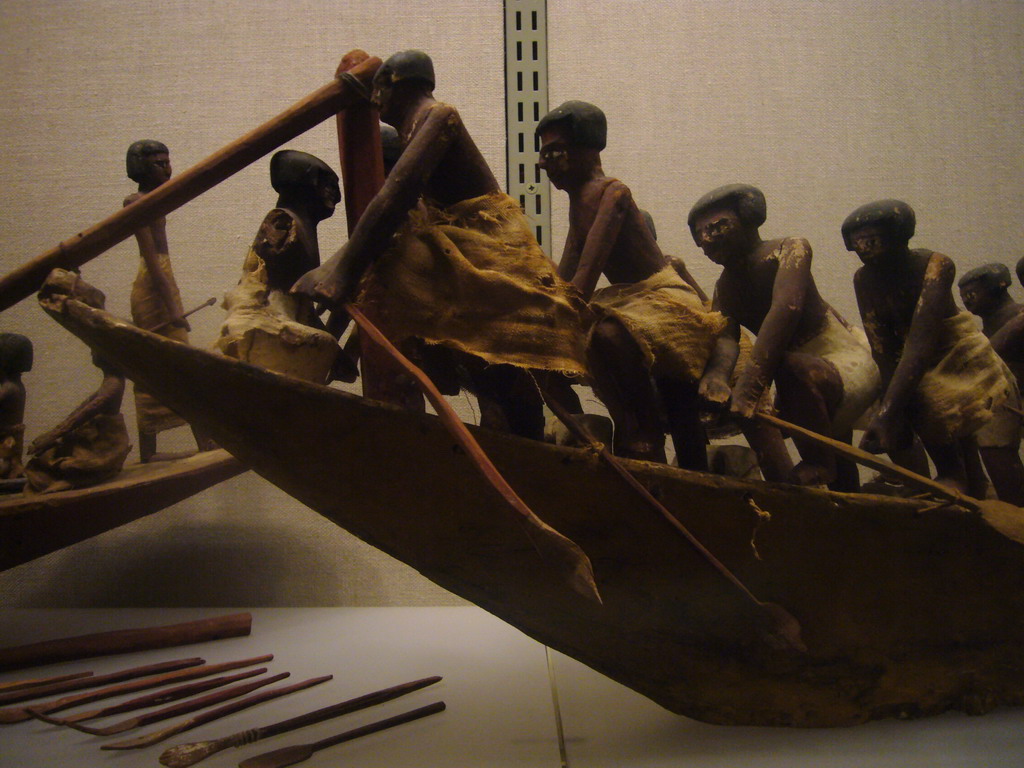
(555, 159)
(981, 296)
(158, 169)
(871, 243)
(328, 192)
(720, 233)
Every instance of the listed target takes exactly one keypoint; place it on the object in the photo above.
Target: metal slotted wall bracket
(526, 101)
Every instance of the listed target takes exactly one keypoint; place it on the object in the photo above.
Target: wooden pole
(174, 193)
(871, 460)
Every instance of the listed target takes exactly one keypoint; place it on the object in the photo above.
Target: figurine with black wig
(653, 335)
(155, 300)
(984, 292)
(15, 359)
(266, 325)
(821, 366)
(450, 259)
(90, 445)
(941, 379)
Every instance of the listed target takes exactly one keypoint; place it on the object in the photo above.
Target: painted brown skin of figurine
(608, 235)
(152, 239)
(903, 296)
(777, 300)
(308, 191)
(439, 160)
(150, 168)
(983, 292)
(15, 359)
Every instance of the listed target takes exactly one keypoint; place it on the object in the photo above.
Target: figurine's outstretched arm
(570, 260)
(919, 347)
(884, 347)
(789, 295)
(925, 329)
(1008, 341)
(601, 238)
(334, 282)
(714, 387)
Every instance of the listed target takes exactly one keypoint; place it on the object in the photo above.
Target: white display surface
(496, 686)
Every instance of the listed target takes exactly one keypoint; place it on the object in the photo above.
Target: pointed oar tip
(279, 757)
(185, 755)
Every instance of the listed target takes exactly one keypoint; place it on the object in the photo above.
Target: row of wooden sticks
(98, 687)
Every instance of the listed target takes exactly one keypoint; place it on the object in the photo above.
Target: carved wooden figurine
(155, 302)
(650, 322)
(940, 376)
(983, 291)
(822, 368)
(465, 270)
(266, 325)
(15, 359)
(90, 445)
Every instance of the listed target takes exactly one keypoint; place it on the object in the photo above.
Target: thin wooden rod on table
(125, 641)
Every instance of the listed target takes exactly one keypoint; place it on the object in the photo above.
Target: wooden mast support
(89, 243)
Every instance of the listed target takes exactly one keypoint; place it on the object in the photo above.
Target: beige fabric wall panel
(825, 105)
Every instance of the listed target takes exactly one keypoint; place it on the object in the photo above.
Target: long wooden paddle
(174, 193)
(362, 178)
(784, 629)
(861, 456)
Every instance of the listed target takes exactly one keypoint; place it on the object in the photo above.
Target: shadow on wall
(242, 544)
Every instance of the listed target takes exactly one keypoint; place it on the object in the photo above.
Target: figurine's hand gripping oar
(174, 193)
(553, 546)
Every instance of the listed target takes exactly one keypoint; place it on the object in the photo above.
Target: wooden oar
(555, 548)
(861, 456)
(142, 684)
(174, 193)
(185, 755)
(783, 630)
(18, 685)
(17, 714)
(150, 699)
(208, 303)
(125, 641)
(363, 177)
(292, 755)
(214, 714)
(183, 707)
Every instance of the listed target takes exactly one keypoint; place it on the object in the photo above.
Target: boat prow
(33, 525)
(905, 610)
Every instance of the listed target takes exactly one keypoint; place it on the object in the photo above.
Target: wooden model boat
(33, 525)
(906, 609)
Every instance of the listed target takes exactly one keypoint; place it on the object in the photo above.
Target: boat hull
(904, 611)
(33, 525)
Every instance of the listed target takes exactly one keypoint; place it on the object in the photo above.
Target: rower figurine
(647, 350)
(822, 368)
(463, 269)
(155, 302)
(941, 378)
(15, 359)
(91, 444)
(984, 292)
(266, 325)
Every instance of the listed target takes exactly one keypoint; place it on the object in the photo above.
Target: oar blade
(279, 757)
